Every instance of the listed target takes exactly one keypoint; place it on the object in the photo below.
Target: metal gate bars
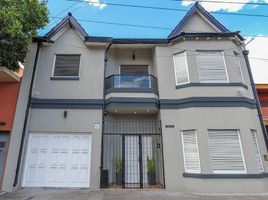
(132, 154)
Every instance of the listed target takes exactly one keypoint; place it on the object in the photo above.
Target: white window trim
(237, 56)
(53, 68)
(184, 160)
(226, 70)
(186, 62)
(257, 142)
(242, 153)
(224, 61)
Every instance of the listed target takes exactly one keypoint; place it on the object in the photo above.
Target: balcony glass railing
(131, 82)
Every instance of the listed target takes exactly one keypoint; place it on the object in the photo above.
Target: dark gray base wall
(202, 119)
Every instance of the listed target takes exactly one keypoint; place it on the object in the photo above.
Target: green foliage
(118, 164)
(19, 22)
(150, 165)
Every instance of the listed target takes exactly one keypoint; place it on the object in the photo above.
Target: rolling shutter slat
(225, 151)
(211, 67)
(181, 69)
(191, 154)
(257, 151)
(67, 65)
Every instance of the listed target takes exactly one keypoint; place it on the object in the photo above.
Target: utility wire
(165, 8)
(221, 2)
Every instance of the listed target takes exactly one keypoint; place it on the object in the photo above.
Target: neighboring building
(9, 90)
(178, 113)
(262, 90)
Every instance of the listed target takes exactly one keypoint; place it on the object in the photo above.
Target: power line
(224, 2)
(144, 26)
(167, 9)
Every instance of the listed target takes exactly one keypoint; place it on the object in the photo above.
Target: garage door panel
(58, 160)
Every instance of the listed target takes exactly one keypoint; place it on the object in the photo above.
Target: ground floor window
(257, 150)
(190, 152)
(226, 152)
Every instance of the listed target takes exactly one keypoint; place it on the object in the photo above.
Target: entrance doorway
(132, 154)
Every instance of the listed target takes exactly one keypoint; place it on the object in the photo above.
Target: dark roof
(196, 8)
(73, 23)
(210, 34)
(126, 40)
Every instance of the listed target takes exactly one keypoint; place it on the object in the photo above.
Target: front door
(136, 150)
(4, 137)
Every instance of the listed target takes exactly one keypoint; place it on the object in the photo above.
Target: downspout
(264, 131)
(103, 101)
(26, 114)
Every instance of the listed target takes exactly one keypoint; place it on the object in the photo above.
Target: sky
(162, 21)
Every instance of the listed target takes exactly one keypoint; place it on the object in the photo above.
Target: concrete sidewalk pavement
(85, 194)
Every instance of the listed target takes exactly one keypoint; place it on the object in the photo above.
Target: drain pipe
(103, 101)
(39, 44)
(245, 53)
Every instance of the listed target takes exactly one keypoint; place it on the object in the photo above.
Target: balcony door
(134, 76)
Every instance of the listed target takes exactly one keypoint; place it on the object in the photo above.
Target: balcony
(131, 84)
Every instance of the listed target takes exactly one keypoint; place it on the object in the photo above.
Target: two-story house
(179, 113)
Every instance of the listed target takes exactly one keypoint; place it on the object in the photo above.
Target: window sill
(212, 85)
(64, 78)
(225, 176)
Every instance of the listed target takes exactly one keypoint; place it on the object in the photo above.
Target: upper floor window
(67, 65)
(238, 68)
(211, 67)
(181, 68)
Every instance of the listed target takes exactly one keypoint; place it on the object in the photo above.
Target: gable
(65, 24)
(197, 20)
(198, 24)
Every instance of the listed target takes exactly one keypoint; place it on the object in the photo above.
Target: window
(238, 68)
(67, 65)
(190, 152)
(181, 68)
(257, 151)
(226, 152)
(134, 70)
(211, 67)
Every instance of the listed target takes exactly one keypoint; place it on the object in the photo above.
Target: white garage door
(58, 160)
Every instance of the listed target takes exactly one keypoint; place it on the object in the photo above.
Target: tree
(19, 22)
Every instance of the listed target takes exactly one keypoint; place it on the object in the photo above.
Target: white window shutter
(238, 69)
(181, 68)
(211, 67)
(257, 151)
(226, 152)
(190, 152)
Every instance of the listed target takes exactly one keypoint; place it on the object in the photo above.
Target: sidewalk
(85, 194)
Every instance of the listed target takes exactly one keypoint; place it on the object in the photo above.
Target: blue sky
(151, 17)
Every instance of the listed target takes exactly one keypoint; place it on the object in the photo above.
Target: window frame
(187, 68)
(237, 57)
(66, 77)
(241, 149)
(253, 131)
(224, 62)
(183, 151)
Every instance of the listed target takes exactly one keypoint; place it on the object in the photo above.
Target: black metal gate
(132, 154)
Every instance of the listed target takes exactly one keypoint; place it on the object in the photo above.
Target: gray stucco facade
(80, 105)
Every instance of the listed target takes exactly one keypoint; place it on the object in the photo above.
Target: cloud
(96, 3)
(258, 59)
(229, 7)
